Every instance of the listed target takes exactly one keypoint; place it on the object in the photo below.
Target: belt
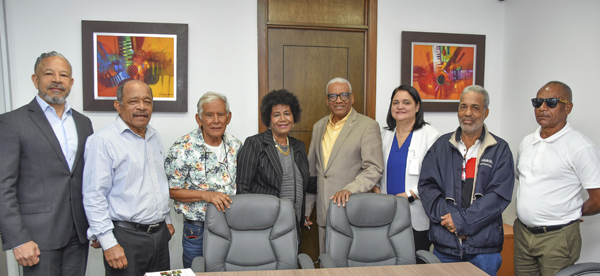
(194, 222)
(545, 229)
(148, 228)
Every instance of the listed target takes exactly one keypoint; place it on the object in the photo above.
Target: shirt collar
(343, 120)
(44, 105)
(122, 127)
(537, 138)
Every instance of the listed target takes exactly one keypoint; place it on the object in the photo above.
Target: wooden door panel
(303, 61)
(342, 12)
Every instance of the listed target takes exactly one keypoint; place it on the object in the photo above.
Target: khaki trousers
(545, 253)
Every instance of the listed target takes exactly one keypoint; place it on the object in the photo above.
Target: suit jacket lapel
(80, 137)
(319, 144)
(37, 115)
(340, 139)
(272, 153)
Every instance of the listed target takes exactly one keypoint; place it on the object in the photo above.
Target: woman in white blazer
(406, 140)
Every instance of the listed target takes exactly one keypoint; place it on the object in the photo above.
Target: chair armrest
(305, 261)
(580, 269)
(326, 261)
(427, 257)
(198, 264)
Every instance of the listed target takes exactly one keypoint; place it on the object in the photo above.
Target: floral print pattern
(190, 165)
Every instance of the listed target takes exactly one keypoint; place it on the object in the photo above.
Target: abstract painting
(440, 66)
(115, 52)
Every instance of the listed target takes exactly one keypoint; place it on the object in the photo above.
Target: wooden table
(450, 269)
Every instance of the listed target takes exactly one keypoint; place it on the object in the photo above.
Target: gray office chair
(580, 269)
(257, 233)
(372, 230)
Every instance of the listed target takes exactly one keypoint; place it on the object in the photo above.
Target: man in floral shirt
(201, 169)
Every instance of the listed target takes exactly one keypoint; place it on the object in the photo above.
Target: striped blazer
(258, 168)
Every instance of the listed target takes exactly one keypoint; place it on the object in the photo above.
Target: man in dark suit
(41, 147)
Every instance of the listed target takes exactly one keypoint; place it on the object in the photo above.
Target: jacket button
(325, 177)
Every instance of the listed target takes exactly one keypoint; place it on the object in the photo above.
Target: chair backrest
(372, 230)
(257, 233)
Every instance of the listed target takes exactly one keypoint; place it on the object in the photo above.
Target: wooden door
(302, 44)
(303, 61)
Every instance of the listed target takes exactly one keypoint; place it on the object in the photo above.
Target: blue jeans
(489, 263)
(192, 243)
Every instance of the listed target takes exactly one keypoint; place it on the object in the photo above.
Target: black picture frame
(88, 28)
(408, 38)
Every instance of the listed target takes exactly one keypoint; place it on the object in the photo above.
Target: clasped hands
(448, 223)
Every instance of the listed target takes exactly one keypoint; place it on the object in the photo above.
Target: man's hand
(376, 189)
(448, 222)
(220, 200)
(95, 244)
(28, 254)
(171, 229)
(115, 257)
(341, 197)
(307, 222)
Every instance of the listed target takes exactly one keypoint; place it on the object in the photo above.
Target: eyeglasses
(550, 102)
(343, 96)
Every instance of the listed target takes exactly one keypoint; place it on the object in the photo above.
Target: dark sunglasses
(550, 102)
(343, 96)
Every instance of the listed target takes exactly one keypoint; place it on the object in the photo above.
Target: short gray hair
(563, 86)
(47, 55)
(209, 97)
(122, 86)
(479, 90)
(338, 80)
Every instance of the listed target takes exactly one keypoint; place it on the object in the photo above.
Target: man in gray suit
(345, 154)
(41, 213)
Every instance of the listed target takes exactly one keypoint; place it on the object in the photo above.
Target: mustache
(55, 85)
(138, 113)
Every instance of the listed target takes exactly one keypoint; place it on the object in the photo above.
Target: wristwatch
(411, 199)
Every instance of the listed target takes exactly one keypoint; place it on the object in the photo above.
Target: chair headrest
(371, 210)
(252, 212)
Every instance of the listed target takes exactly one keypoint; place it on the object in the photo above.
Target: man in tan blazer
(345, 154)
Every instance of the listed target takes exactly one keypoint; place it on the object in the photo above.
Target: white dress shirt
(123, 180)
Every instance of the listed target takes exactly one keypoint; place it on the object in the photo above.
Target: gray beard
(54, 99)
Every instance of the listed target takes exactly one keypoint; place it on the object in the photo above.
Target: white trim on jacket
(421, 140)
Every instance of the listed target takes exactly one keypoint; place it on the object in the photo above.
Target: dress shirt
(191, 165)
(64, 129)
(331, 134)
(123, 180)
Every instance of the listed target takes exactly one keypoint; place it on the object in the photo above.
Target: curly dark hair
(274, 98)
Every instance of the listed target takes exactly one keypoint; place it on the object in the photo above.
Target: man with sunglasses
(345, 154)
(553, 165)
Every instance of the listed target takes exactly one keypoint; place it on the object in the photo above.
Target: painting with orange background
(121, 57)
(440, 72)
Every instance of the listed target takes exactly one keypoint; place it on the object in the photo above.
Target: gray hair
(209, 97)
(563, 86)
(122, 86)
(479, 90)
(47, 55)
(338, 80)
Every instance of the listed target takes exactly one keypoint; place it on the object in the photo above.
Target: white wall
(527, 44)
(456, 16)
(552, 40)
(222, 58)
